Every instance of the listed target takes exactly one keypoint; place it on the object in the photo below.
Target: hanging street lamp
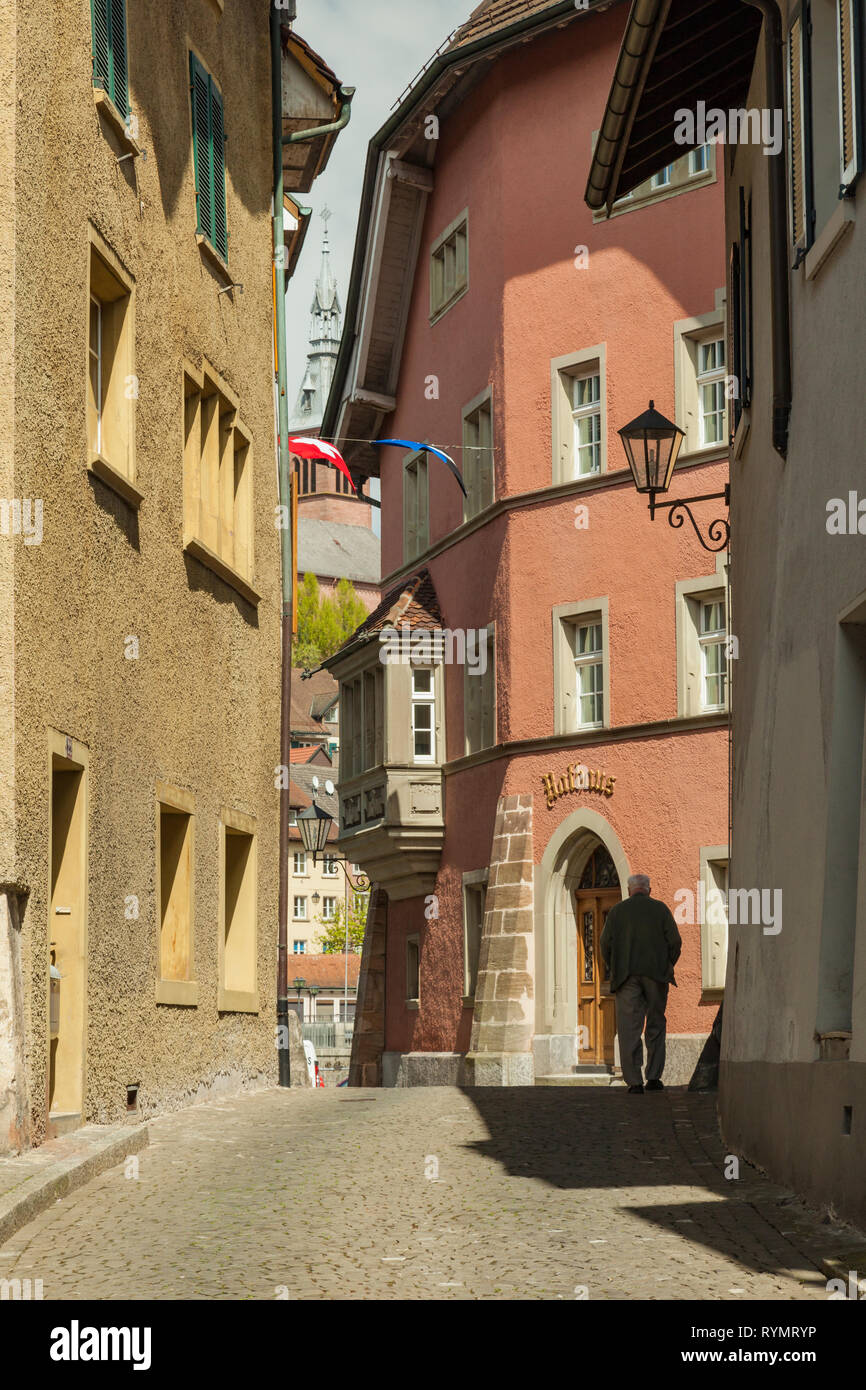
(314, 827)
(652, 444)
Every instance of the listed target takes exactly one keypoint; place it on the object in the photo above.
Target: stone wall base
(555, 1054)
(682, 1051)
(425, 1069)
(502, 1068)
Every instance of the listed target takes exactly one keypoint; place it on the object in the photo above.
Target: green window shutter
(119, 70)
(100, 30)
(201, 145)
(220, 225)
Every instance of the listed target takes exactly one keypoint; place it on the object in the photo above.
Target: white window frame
(689, 334)
(694, 167)
(591, 361)
(425, 700)
(330, 868)
(714, 875)
(299, 948)
(296, 915)
(299, 855)
(714, 639)
(329, 915)
(567, 618)
(587, 661)
(691, 594)
(715, 376)
(592, 410)
(663, 178)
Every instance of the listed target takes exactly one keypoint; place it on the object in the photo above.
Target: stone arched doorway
(583, 850)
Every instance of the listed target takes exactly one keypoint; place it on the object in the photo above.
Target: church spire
(325, 331)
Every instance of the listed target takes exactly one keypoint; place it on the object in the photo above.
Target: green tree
(324, 624)
(333, 931)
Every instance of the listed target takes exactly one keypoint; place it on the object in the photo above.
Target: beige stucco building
(139, 560)
(793, 1059)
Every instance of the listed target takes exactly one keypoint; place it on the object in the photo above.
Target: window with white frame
(300, 910)
(586, 414)
(423, 715)
(712, 639)
(663, 177)
(699, 160)
(329, 909)
(329, 866)
(589, 674)
(299, 948)
(712, 405)
(579, 414)
(702, 643)
(299, 864)
(714, 921)
(702, 387)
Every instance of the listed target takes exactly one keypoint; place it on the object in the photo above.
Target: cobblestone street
(551, 1193)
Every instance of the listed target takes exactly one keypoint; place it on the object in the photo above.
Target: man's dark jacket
(640, 937)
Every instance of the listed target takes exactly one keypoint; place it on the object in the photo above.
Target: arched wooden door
(598, 892)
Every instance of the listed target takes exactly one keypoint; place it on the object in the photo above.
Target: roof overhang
(674, 53)
(398, 180)
(313, 96)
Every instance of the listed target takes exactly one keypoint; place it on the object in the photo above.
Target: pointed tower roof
(325, 332)
(325, 298)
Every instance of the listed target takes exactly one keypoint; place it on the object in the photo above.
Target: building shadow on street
(585, 1138)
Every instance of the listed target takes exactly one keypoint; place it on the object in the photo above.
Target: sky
(377, 46)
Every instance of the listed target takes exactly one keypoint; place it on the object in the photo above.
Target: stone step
(581, 1079)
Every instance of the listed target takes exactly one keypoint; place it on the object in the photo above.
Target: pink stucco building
(500, 803)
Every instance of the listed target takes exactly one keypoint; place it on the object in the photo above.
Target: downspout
(298, 137)
(775, 79)
(287, 559)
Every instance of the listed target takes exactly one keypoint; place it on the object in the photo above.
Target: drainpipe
(287, 559)
(774, 55)
(299, 136)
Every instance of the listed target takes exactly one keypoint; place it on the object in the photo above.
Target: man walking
(640, 946)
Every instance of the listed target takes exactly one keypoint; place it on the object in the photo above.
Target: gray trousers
(640, 999)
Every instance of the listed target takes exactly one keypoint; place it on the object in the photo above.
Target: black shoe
(654, 1086)
(635, 1090)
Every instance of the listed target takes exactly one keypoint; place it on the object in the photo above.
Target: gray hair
(639, 883)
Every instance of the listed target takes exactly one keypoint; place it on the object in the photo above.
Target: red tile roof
(413, 601)
(306, 755)
(491, 15)
(325, 971)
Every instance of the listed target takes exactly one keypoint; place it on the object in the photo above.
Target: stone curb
(84, 1155)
